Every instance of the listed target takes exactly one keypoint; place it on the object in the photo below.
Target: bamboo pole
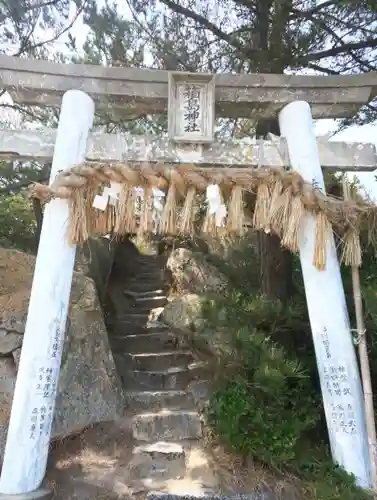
(364, 363)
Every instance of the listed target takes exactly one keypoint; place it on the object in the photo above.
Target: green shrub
(267, 402)
(264, 402)
(258, 423)
(17, 223)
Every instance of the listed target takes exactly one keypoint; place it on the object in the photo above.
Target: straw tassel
(125, 221)
(352, 254)
(209, 226)
(146, 216)
(282, 199)
(101, 221)
(280, 212)
(262, 207)
(209, 222)
(77, 231)
(275, 195)
(168, 222)
(236, 213)
(111, 217)
(322, 232)
(91, 191)
(291, 230)
(81, 218)
(186, 223)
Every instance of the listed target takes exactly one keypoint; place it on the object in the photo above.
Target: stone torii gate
(193, 102)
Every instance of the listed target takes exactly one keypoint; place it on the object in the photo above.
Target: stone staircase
(163, 391)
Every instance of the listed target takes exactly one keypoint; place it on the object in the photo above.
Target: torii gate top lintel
(41, 82)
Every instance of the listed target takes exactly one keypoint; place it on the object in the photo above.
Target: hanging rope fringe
(322, 233)
(236, 212)
(209, 223)
(262, 207)
(276, 193)
(186, 225)
(280, 211)
(283, 199)
(78, 231)
(291, 231)
(351, 254)
(168, 223)
(125, 211)
(146, 216)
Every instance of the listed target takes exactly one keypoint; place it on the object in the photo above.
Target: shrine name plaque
(191, 110)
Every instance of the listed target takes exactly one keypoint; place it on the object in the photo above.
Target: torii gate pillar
(336, 358)
(31, 419)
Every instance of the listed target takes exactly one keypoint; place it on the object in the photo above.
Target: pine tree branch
(162, 47)
(28, 8)
(60, 33)
(327, 71)
(335, 51)
(226, 37)
(14, 188)
(364, 65)
(322, 6)
(248, 4)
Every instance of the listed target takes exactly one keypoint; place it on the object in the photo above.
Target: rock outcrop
(184, 313)
(194, 281)
(89, 388)
(192, 273)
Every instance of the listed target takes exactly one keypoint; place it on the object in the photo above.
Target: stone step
(167, 425)
(122, 332)
(158, 400)
(142, 343)
(125, 320)
(153, 279)
(200, 492)
(148, 289)
(152, 302)
(148, 269)
(143, 307)
(152, 361)
(157, 325)
(194, 490)
(132, 309)
(131, 316)
(142, 286)
(181, 488)
(174, 378)
(149, 327)
(151, 298)
(160, 460)
(149, 261)
(140, 295)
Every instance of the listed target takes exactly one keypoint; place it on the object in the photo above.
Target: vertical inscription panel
(191, 111)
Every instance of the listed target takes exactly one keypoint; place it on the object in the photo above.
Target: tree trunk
(38, 213)
(275, 263)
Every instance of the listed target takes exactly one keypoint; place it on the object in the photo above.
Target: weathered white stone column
(30, 424)
(335, 353)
